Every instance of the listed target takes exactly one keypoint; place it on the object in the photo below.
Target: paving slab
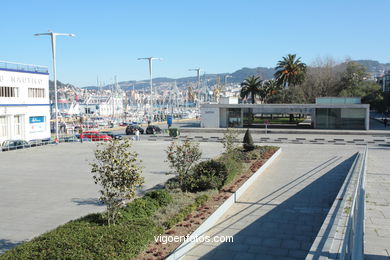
(377, 221)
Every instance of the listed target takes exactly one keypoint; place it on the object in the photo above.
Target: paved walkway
(377, 233)
(281, 213)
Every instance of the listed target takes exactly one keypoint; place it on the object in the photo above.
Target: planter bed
(159, 250)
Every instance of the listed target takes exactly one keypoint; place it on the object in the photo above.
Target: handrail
(353, 242)
(342, 234)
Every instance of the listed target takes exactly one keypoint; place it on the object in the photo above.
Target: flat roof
(21, 67)
(285, 106)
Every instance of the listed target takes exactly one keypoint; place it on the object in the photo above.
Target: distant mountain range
(374, 67)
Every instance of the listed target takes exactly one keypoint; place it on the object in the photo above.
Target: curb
(289, 131)
(213, 218)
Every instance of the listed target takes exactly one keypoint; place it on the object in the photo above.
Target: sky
(219, 36)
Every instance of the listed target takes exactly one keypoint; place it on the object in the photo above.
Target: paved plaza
(43, 187)
(277, 218)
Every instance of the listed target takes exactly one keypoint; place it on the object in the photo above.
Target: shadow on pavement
(88, 201)
(6, 244)
(288, 229)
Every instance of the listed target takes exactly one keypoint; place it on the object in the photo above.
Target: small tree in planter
(228, 140)
(248, 141)
(181, 157)
(118, 171)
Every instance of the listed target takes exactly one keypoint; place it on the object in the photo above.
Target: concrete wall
(210, 117)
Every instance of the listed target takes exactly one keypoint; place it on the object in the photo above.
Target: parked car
(14, 144)
(124, 124)
(70, 139)
(130, 130)
(113, 136)
(95, 136)
(152, 129)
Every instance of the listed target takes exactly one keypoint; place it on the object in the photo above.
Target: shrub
(81, 239)
(248, 141)
(207, 175)
(173, 131)
(172, 183)
(117, 170)
(181, 158)
(233, 165)
(228, 140)
(162, 197)
(140, 208)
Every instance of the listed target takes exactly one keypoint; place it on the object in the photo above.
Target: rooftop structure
(21, 67)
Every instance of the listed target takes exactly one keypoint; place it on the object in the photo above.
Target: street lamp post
(53, 36)
(150, 59)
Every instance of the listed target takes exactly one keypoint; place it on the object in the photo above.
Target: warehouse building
(24, 102)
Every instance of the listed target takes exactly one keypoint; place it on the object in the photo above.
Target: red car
(95, 136)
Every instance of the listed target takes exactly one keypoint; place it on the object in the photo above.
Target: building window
(36, 92)
(18, 125)
(3, 126)
(9, 92)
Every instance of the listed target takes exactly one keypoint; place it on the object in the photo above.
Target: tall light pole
(150, 59)
(53, 36)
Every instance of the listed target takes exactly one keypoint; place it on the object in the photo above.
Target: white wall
(209, 117)
(24, 106)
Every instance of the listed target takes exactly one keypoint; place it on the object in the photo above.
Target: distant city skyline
(217, 36)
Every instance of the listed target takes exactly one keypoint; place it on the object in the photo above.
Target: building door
(4, 134)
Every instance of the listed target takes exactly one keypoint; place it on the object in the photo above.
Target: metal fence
(353, 243)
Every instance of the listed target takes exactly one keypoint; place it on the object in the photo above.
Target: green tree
(270, 89)
(229, 137)
(290, 71)
(181, 158)
(251, 87)
(118, 171)
(351, 77)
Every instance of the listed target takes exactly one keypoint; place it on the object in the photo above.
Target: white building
(24, 102)
(105, 106)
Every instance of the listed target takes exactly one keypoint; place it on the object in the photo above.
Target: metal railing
(342, 233)
(353, 242)
(23, 67)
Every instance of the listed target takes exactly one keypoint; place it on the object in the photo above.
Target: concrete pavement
(282, 212)
(377, 224)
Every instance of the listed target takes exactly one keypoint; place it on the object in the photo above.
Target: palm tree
(290, 71)
(269, 89)
(251, 86)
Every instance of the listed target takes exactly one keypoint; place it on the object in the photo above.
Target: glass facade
(340, 118)
(234, 117)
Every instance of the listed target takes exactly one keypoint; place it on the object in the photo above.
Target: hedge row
(90, 238)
